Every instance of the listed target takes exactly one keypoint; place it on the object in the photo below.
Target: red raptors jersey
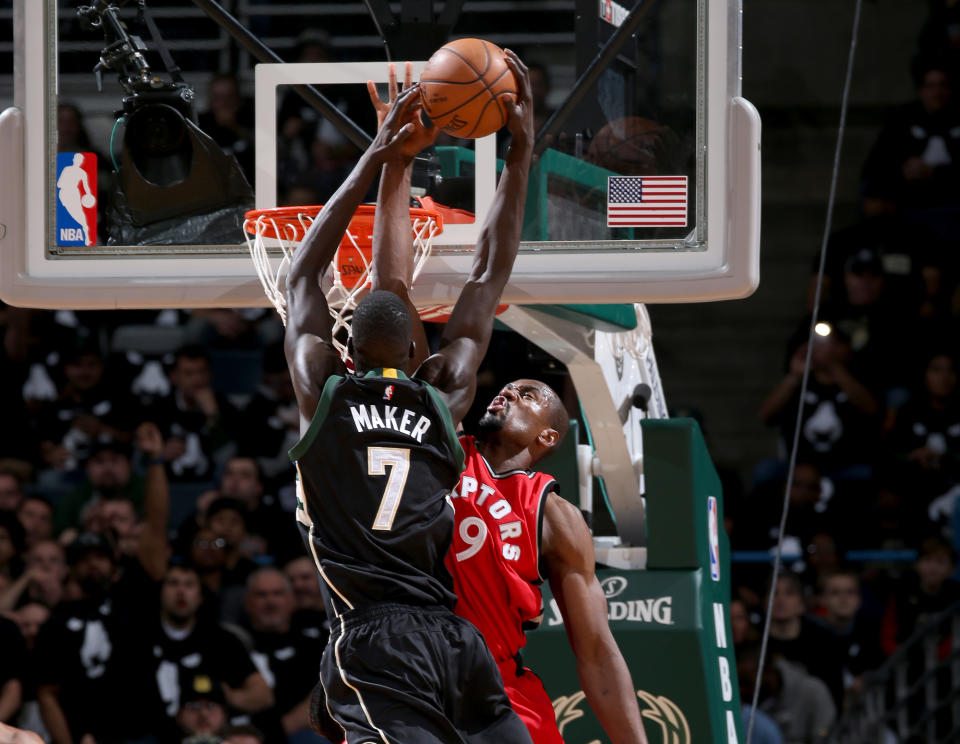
(494, 559)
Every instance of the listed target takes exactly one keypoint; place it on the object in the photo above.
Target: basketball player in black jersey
(378, 458)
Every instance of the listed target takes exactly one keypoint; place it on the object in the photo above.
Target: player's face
(522, 409)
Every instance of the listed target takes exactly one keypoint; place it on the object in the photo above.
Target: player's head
(78, 159)
(527, 413)
(380, 335)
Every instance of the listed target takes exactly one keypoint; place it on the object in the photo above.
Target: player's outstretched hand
(421, 135)
(520, 112)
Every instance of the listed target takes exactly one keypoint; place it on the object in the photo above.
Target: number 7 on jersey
(398, 460)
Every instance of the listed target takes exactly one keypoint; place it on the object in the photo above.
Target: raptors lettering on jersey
(495, 555)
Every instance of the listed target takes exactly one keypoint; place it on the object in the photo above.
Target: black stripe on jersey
(506, 473)
(541, 504)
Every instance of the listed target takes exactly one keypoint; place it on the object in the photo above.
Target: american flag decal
(646, 201)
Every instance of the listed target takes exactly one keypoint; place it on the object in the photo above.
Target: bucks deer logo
(664, 715)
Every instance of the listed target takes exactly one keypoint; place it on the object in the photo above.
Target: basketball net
(284, 228)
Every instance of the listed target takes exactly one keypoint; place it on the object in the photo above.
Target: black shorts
(397, 674)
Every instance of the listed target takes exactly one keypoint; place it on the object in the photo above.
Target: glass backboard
(133, 194)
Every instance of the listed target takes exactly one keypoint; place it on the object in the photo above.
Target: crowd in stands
(878, 453)
(153, 586)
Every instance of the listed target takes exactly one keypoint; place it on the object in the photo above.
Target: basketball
(466, 87)
(87, 201)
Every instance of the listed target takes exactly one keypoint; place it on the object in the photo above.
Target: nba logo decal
(713, 537)
(388, 392)
(76, 198)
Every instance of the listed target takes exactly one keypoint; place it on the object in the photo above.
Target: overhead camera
(175, 185)
(124, 54)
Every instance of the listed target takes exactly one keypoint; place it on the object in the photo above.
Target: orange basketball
(466, 87)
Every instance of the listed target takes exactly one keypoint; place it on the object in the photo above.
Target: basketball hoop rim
(265, 222)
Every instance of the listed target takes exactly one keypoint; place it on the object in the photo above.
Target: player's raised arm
(308, 339)
(467, 334)
(567, 551)
(393, 250)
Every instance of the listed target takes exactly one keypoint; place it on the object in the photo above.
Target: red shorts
(531, 702)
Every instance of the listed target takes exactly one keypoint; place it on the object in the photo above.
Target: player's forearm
(607, 684)
(392, 241)
(500, 237)
(323, 238)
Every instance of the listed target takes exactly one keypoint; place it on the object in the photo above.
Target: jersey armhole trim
(323, 407)
(548, 488)
(449, 430)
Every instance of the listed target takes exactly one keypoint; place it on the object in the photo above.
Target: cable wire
(844, 102)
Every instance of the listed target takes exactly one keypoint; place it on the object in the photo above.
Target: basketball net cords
(342, 300)
(778, 556)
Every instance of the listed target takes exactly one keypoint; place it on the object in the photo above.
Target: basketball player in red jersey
(511, 529)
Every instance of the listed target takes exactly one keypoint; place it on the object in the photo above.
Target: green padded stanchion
(671, 620)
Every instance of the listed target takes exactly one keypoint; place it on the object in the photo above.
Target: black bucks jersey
(375, 471)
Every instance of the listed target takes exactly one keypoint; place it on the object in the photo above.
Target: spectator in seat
(242, 480)
(288, 657)
(109, 477)
(742, 629)
(274, 421)
(11, 491)
(915, 160)
(196, 422)
(243, 734)
(36, 516)
(12, 546)
(42, 580)
(223, 597)
(307, 597)
(82, 679)
(842, 604)
(802, 641)
(30, 618)
(229, 121)
(924, 437)
(86, 411)
(202, 708)
(82, 663)
(228, 519)
(799, 703)
(928, 590)
(179, 644)
(839, 424)
(13, 669)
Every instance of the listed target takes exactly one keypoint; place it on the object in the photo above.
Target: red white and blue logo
(76, 198)
(713, 537)
(388, 392)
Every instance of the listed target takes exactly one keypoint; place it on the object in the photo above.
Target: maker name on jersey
(369, 417)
